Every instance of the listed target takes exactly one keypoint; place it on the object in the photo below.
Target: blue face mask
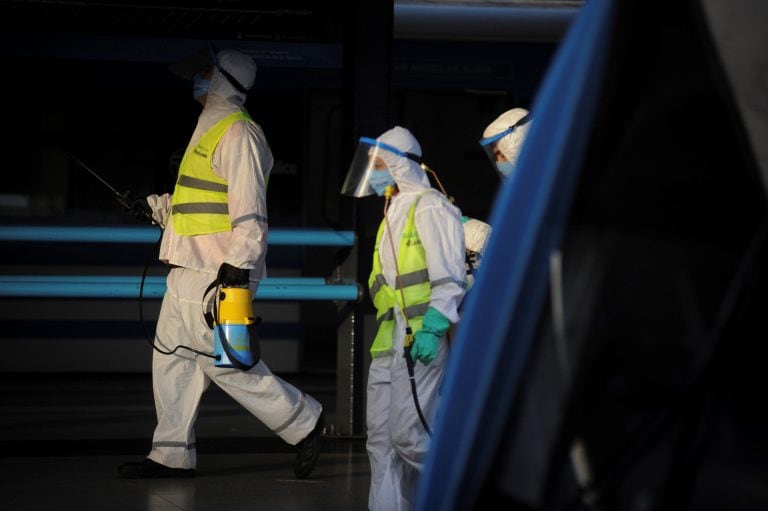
(380, 180)
(505, 167)
(200, 86)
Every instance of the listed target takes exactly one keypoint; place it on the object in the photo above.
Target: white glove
(476, 235)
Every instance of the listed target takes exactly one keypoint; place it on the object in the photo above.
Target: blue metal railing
(119, 286)
(141, 234)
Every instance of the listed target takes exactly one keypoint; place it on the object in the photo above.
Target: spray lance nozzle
(407, 344)
(138, 208)
(408, 341)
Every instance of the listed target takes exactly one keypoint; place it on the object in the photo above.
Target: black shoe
(308, 450)
(148, 469)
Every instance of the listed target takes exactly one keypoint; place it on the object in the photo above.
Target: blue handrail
(148, 234)
(121, 286)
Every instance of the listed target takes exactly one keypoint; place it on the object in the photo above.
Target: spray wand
(125, 201)
(408, 341)
(123, 198)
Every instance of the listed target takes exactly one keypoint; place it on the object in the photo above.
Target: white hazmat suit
(509, 145)
(397, 441)
(242, 158)
(477, 232)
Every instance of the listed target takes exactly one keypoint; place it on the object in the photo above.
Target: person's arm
(442, 236)
(245, 160)
(161, 208)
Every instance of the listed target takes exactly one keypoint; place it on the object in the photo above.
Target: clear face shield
(491, 147)
(368, 173)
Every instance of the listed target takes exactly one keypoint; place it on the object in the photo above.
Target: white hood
(511, 144)
(407, 173)
(242, 68)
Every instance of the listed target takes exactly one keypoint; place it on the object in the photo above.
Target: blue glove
(426, 341)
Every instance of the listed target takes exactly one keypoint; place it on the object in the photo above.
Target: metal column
(367, 63)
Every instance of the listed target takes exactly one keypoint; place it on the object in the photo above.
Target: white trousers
(179, 380)
(397, 441)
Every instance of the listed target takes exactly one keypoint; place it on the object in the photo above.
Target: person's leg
(293, 415)
(178, 384)
(409, 435)
(386, 468)
(287, 411)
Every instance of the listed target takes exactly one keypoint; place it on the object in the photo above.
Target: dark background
(665, 243)
(92, 79)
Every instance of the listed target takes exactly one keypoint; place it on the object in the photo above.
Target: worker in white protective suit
(215, 229)
(417, 291)
(502, 141)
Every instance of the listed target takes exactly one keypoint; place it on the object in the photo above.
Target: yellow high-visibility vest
(414, 278)
(199, 203)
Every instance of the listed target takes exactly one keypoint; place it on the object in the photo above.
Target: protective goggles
(367, 160)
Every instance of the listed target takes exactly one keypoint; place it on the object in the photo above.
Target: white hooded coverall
(510, 145)
(476, 232)
(397, 441)
(244, 160)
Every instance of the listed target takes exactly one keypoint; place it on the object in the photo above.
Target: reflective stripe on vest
(414, 278)
(199, 203)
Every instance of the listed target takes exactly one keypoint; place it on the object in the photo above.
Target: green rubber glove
(425, 346)
(426, 341)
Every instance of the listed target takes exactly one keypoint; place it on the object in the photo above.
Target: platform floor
(62, 439)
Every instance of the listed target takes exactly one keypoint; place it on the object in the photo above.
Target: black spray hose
(408, 340)
(155, 248)
(410, 364)
(124, 199)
